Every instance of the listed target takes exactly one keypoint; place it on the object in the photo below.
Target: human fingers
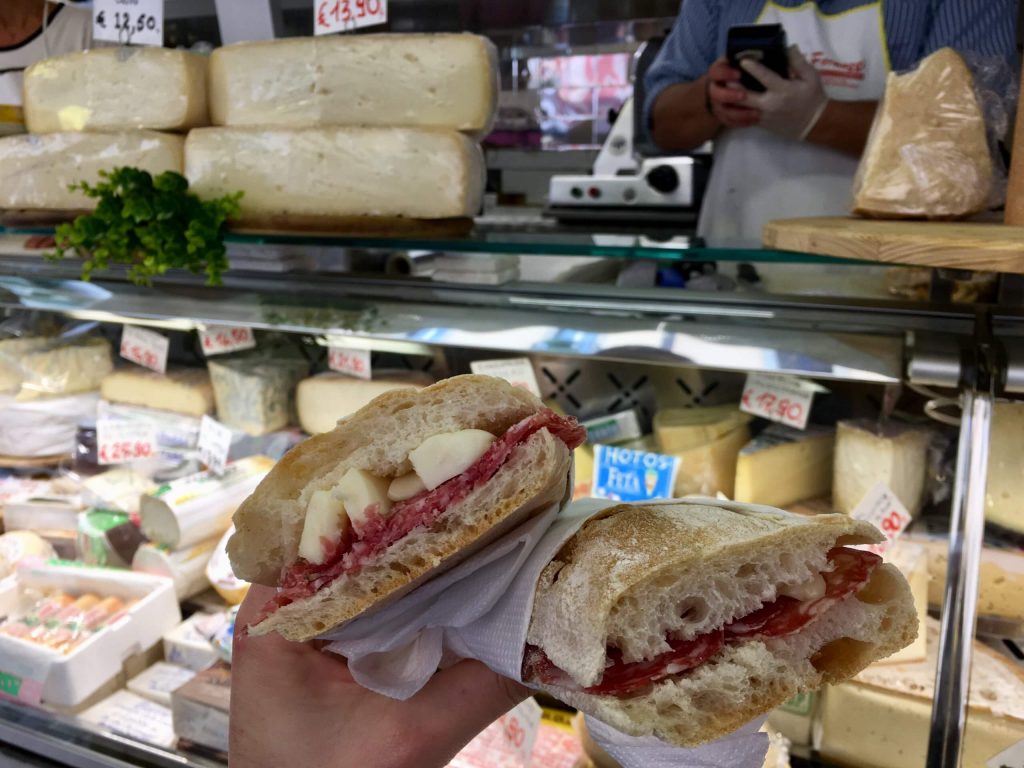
(468, 696)
(723, 72)
(725, 94)
(801, 68)
(737, 117)
(762, 74)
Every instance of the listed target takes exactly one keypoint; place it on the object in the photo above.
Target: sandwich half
(687, 619)
(396, 493)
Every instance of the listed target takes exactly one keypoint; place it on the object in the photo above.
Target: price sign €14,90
(129, 22)
(343, 15)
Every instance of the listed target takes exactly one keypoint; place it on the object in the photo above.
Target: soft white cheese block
(322, 174)
(327, 397)
(36, 171)
(867, 454)
(1004, 491)
(437, 80)
(115, 89)
(184, 390)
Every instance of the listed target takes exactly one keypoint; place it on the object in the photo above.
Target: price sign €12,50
(129, 22)
(342, 15)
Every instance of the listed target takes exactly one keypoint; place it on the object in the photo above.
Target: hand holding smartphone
(764, 43)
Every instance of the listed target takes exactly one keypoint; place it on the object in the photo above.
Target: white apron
(758, 176)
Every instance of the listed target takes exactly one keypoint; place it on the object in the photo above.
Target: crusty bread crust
(535, 476)
(625, 555)
(378, 438)
(748, 679)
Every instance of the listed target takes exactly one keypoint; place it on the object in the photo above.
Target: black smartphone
(765, 43)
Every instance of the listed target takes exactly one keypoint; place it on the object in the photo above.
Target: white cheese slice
(405, 487)
(323, 399)
(320, 174)
(116, 89)
(438, 80)
(37, 171)
(325, 519)
(183, 390)
(449, 454)
(359, 490)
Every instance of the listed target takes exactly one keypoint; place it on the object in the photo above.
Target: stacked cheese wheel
(373, 133)
(94, 111)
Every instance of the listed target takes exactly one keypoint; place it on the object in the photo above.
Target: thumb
(800, 66)
(760, 72)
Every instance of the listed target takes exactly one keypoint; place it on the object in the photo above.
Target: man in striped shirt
(793, 150)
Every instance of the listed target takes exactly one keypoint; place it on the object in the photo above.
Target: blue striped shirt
(914, 29)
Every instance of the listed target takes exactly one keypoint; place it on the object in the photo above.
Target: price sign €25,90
(129, 22)
(342, 15)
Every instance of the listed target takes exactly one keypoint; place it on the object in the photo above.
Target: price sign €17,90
(342, 15)
(129, 22)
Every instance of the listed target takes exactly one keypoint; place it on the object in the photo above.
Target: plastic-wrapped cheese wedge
(117, 89)
(37, 171)
(880, 719)
(440, 80)
(338, 177)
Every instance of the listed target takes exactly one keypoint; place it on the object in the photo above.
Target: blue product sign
(625, 475)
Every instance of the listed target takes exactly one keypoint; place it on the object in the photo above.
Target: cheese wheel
(116, 89)
(317, 176)
(37, 171)
(324, 399)
(437, 80)
(185, 390)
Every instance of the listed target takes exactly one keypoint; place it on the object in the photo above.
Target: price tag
(1010, 758)
(146, 348)
(519, 727)
(214, 444)
(120, 441)
(20, 688)
(129, 22)
(882, 509)
(784, 399)
(352, 362)
(517, 371)
(342, 15)
(218, 339)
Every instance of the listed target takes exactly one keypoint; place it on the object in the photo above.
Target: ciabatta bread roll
(399, 491)
(686, 619)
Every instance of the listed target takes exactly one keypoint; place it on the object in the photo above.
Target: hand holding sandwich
(292, 704)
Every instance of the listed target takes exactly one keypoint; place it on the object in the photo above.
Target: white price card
(128, 22)
(146, 348)
(214, 444)
(352, 362)
(219, 339)
(121, 441)
(519, 727)
(784, 399)
(1010, 758)
(517, 371)
(882, 509)
(343, 15)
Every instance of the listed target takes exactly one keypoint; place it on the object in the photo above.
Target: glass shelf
(511, 231)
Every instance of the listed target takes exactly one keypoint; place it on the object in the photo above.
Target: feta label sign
(622, 474)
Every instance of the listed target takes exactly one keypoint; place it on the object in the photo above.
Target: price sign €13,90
(129, 22)
(342, 15)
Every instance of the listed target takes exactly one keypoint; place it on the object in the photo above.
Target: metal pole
(966, 528)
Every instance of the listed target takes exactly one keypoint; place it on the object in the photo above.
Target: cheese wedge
(710, 469)
(867, 454)
(185, 390)
(323, 399)
(324, 175)
(680, 429)
(783, 465)
(436, 80)
(36, 171)
(117, 89)
(880, 719)
(1004, 491)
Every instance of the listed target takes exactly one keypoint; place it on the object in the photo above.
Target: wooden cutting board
(982, 246)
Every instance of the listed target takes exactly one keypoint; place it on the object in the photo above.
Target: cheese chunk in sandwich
(396, 493)
(37, 172)
(337, 177)
(426, 80)
(686, 619)
(109, 89)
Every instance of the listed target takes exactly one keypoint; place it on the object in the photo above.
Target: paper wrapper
(481, 610)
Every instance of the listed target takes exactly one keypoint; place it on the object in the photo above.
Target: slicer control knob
(663, 178)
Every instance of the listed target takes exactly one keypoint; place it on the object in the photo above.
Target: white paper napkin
(481, 610)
